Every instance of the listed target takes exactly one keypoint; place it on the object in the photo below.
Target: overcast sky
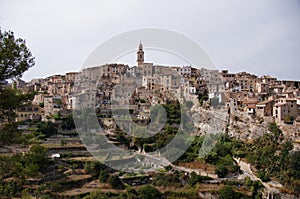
(262, 37)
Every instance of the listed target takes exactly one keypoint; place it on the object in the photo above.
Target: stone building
(247, 81)
(232, 105)
(249, 104)
(71, 76)
(29, 112)
(285, 107)
(185, 71)
(52, 105)
(265, 108)
(262, 87)
(268, 79)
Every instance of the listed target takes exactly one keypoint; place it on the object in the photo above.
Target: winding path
(272, 187)
(197, 171)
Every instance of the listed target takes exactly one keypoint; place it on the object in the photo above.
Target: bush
(36, 160)
(149, 192)
(166, 180)
(221, 171)
(263, 176)
(10, 189)
(9, 134)
(131, 193)
(55, 186)
(115, 182)
(227, 192)
(89, 166)
(96, 195)
(68, 123)
(103, 176)
(48, 128)
(288, 119)
(194, 178)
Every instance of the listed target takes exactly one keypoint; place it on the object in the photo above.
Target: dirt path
(198, 171)
(272, 187)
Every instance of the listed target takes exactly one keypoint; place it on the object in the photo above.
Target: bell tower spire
(140, 55)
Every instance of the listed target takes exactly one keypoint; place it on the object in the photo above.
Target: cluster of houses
(113, 86)
(263, 96)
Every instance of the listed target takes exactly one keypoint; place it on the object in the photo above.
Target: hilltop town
(257, 120)
(265, 97)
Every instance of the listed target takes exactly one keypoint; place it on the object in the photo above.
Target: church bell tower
(140, 55)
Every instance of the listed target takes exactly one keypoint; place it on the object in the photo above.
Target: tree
(149, 192)
(221, 171)
(131, 193)
(263, 176)
(48, 128)
(115, 182)
(68, 123)
(10, 100)
(227, 192)
(15, 57)
(194, 178)
(286, 147)
(10, 189)
(103, 176)
(36, 160)
(9, 134)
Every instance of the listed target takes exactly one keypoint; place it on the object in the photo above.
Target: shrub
(221, 171)
(263, 176)
(227, 192)
(115, 182)
(149, 192)
(103, 176)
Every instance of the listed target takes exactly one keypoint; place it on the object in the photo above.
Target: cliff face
(240, 125)
(209, 121)
(247, 128)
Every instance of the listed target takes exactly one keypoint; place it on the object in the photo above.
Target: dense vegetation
(159, 140)
(221, 155)
(274, 158)
(271, 156)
